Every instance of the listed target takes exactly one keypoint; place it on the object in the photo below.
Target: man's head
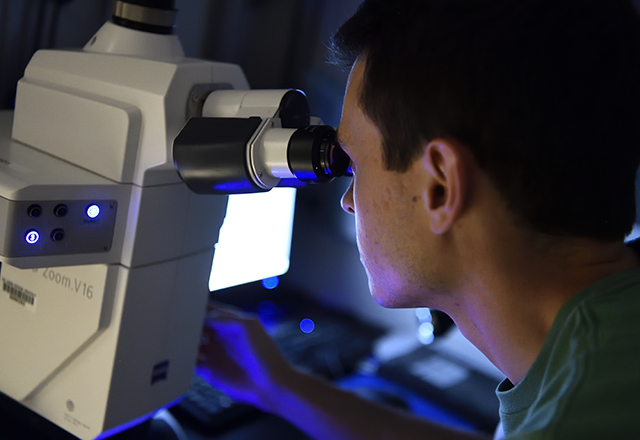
(544, 93)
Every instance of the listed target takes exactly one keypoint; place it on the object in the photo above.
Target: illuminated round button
(307, 325)
(32, 237)
(93, 211)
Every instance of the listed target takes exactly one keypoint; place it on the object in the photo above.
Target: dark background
(279, 43)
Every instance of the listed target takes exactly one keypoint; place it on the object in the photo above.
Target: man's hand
(238, 357)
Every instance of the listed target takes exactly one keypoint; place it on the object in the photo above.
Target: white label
(20, 295)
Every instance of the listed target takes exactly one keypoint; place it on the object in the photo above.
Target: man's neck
(509, 306)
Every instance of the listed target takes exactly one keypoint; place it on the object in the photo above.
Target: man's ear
(445, 162)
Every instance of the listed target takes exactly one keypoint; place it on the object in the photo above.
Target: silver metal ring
(141, 14)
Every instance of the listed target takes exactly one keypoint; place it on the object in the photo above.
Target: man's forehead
(351, 100)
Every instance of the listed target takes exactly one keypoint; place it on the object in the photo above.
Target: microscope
(114, 173)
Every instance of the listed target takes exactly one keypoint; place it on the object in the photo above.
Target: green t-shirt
(585, 383)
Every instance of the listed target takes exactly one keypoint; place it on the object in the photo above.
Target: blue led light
(93, 211)
(32, 237)
(270, 283)
(307, 325)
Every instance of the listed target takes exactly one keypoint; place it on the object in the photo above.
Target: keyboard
(210, 409)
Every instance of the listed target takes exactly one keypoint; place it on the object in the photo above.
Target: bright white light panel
(255, 238)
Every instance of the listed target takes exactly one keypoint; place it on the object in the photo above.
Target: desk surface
(18, 423)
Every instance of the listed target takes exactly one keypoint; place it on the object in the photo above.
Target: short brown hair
(546, 93)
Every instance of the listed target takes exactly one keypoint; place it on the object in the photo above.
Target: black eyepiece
(314, 155)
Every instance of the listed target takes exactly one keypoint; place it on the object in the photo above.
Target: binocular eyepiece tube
(231, 155)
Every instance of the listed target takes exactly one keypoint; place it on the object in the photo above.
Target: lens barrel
(236, 155)
(314, 155)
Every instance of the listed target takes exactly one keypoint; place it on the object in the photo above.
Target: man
(494, 145)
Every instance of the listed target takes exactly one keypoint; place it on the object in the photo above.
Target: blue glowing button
(32, 237)
(271, 282)
(307, 325)
(93, 211)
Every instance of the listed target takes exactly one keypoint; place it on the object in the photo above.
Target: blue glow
(417, 404)
(93, 211)
(271, 315)
(32, 237)
(125, 426)
(266, 308)
(240, 186)
(204, 373)
(271, 282)
(139, 420)
(307, 325)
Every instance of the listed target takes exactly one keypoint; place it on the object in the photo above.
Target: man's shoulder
(600, 326)
(586, 380)
(608, 310)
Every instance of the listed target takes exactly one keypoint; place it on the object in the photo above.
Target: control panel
(56, 227)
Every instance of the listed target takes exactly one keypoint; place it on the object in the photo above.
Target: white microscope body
(106, 249)
(100, 317)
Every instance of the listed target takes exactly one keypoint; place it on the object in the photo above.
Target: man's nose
(347, 200)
